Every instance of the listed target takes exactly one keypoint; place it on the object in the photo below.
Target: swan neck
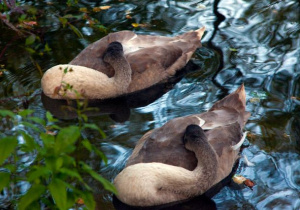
(122, 72)
(207, 159)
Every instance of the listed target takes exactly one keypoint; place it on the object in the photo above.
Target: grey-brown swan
(186, 156)
(120, 63)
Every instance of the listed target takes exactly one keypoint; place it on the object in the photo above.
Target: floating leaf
(200, 6)
(233, 49)
(135, 25)
(105, 7)
(249, 183)
(238, 179)
(83, 9)
(254, 100)
(96, 9)
(242, 180)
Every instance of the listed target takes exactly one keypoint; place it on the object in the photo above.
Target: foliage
(55, 177)
(29, 22)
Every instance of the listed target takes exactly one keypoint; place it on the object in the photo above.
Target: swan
(186, 156)
(120, 63)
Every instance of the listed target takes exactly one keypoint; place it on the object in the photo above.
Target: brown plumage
(152, 58)
(223, 128)
(139, 62)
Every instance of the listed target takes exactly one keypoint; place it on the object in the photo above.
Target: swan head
(113, 52)
(194, 135)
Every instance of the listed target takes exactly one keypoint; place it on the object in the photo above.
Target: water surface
(252, 42)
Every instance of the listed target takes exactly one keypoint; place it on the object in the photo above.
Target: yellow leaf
(96, 9)
(254, 100)
(80, 201)
(135, 25)
(105, 7)
(128, 17)
(83, 9)
(238, 179)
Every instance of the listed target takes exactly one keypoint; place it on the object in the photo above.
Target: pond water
(252, 42)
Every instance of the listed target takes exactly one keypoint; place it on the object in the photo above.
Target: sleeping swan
(120, 63)
(186, 156)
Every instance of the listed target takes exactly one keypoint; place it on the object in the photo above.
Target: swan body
(143, 60)
(164, 167)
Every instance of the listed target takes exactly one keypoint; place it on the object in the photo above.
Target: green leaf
(50, 117)
(25, 112)
(100, 154)
(87, 145)
(30, 40)
(47, 48)
(37, 120)
(64, 21)
(106, 184)
(72, 173)
(66, 137)
(58, 191)
(76, 31)
(30, 50)
(11, 167)
(7, 146)
(94, 127)
(37, 173)
(48, 140)
(22, 17)
(29, 144)
(4, 180)
(5, 113)
(32, 126)
(88, 199)
(233, 49)
(66, 71)
(33, 194)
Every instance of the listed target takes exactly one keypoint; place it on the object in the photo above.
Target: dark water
(252, 42)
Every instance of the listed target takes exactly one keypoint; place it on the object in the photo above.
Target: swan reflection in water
(117, 108)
